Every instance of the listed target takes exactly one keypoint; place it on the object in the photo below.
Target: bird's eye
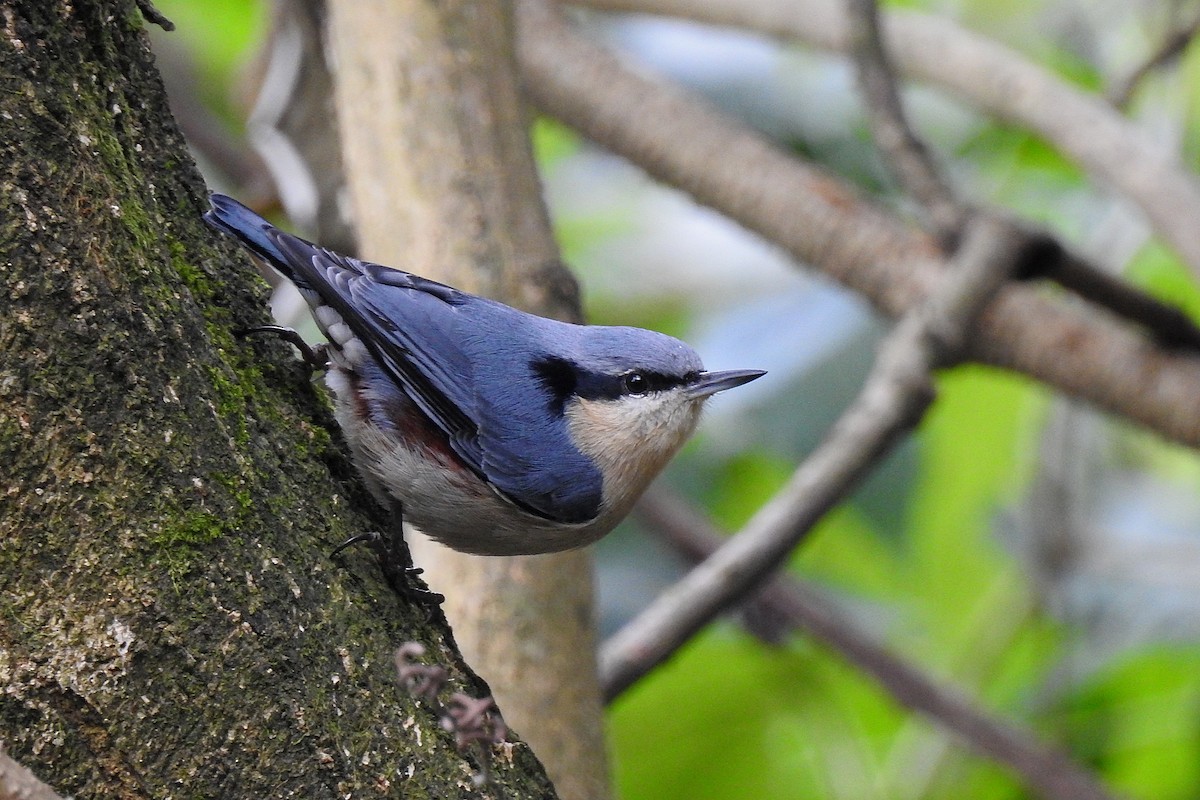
(636, 383)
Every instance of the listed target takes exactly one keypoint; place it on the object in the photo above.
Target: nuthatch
(494, 431)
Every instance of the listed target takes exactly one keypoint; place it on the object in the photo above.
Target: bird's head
(631, 397)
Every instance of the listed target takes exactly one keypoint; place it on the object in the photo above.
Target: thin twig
(1047, 258)
(1169, 50)
(152, 14)
(907, 156)
(1043, 768)
(892, 401)
(823, 221)
(1169, 325)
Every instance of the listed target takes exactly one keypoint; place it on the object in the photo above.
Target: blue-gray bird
(494, 431)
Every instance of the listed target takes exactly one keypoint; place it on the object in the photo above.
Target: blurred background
(1041, 557)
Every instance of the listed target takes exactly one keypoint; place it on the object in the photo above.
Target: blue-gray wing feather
(463, 360)
(456, 356)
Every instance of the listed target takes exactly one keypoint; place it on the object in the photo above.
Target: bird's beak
(709, 383)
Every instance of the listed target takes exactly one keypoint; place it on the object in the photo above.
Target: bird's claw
(400, 572)
(314, 356)
(369, 536)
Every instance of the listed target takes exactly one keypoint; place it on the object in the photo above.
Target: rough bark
(442, 182)
(170, 623)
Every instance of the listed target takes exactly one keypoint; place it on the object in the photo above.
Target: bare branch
(1044, 769)
(18, 783)
(913, 165)
(994, 78)
(824, 222)
(1169, 325)
(894, 398)
(1168, 51)
(906, 155)
(914, 168)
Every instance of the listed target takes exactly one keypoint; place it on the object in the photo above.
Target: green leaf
(845, 549)
(552, 141)
(743, 484)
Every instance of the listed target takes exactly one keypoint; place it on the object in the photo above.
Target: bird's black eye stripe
(563, 379)
(640, 382)
(560, 377)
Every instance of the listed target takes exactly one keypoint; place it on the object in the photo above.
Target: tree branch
(152, 14)
(18, 783)
(824, 222)
(912, 164)
(906, 155)
(994, 78)
(1170, 49)
(800, 605)
(891, 402)
(1169, 325)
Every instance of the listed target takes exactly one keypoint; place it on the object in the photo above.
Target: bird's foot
(397, 565)
(315, 357)
(412, 588)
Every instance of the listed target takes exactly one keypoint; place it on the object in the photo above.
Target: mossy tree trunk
(170, 623)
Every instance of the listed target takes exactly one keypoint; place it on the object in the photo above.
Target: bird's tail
(250, 229)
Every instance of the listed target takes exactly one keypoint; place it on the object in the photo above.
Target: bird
(490, 429)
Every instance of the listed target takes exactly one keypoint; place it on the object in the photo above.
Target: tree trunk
(170, 622)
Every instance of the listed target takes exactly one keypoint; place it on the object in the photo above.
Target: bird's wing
(432, 339)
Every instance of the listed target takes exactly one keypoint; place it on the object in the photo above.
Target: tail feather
(230, 216)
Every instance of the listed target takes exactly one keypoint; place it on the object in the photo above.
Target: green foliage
(732, 717)
(218, 33)
(743, 483)
(971, 441)
(1189, 89)
(1139, 721)
(552, 141)
(219, 38)
(729, 718)
(1019, 169)
(1159, 272)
